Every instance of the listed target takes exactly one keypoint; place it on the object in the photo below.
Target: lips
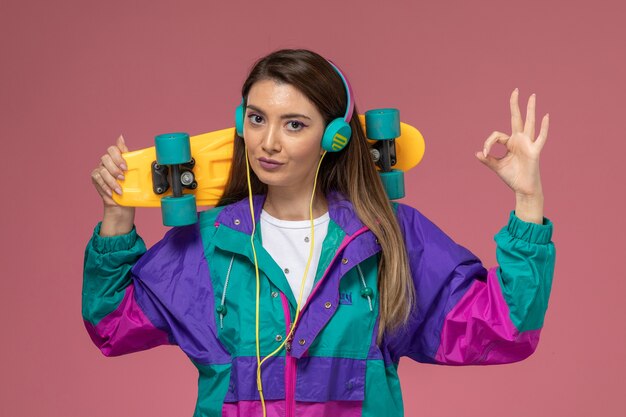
(269, 161)
(269, 164)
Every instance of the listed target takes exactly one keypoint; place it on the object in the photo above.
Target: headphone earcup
(336, 136)
(239, 113)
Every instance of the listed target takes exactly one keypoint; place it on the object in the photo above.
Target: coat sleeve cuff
(107, 244)
(528, 231)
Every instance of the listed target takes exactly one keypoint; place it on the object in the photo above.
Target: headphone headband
(350, 107)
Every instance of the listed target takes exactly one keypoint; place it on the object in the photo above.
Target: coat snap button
(302, 341)
(328, 304)
(279, 338)
(237, 222)
(274, 294)
(221, 309)
(344, 261)
(366, 292)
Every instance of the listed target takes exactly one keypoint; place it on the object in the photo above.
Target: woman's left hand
(519, 168)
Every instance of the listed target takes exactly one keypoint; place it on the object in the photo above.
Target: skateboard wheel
(172, 148)
(381, 124)
(179, 211)
(393, 181)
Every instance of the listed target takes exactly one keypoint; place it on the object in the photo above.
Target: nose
(271, 140)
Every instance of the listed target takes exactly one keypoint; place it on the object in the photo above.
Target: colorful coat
(174, 293)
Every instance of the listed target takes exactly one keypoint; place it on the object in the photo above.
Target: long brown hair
(350, 171)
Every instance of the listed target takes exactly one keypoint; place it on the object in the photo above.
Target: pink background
(75, 74)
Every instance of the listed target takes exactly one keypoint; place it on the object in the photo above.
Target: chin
(273, 182)
(267, 178)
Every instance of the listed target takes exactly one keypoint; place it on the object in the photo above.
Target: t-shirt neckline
(293, 224)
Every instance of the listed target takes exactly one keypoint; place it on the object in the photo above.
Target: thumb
(122, 144)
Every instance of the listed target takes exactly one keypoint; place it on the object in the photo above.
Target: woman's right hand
(117, 219)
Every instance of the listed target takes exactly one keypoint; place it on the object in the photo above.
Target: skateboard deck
(212, 153)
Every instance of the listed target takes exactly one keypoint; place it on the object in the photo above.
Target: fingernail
(516, 90)
(120, 177)
(118, 190)
(124, 167)
(485, 152)
(109, 193)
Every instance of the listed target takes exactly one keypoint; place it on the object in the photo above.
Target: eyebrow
(283, 116)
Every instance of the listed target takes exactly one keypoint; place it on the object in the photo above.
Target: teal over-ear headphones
(337, 133)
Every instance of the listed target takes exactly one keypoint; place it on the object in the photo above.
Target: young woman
(299, 293)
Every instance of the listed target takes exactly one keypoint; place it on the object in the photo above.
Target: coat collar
(237, 215)
(233, 227)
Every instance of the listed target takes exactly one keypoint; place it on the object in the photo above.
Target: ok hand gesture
(519, 168)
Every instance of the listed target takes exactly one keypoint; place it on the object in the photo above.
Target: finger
(121, 143)
(529, 126)
(108, 171)
(116, 154)
(543, 132)
(110, 181)
(101, 186)
(516, 115)
(112, 162)
(488, 160)
(493, 138)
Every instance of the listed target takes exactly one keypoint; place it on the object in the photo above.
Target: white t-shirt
(288, 242)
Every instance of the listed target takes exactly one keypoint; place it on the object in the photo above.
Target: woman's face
(283, 132)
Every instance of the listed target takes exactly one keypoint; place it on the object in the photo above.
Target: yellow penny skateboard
(201, 165)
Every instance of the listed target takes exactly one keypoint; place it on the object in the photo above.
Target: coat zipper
(290, 361)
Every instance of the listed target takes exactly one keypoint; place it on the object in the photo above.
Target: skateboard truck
(161, 181)
(173, 152)
(383, 126)
(384, 154)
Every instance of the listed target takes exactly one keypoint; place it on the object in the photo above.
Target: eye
(295, 125)
(255, 119)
